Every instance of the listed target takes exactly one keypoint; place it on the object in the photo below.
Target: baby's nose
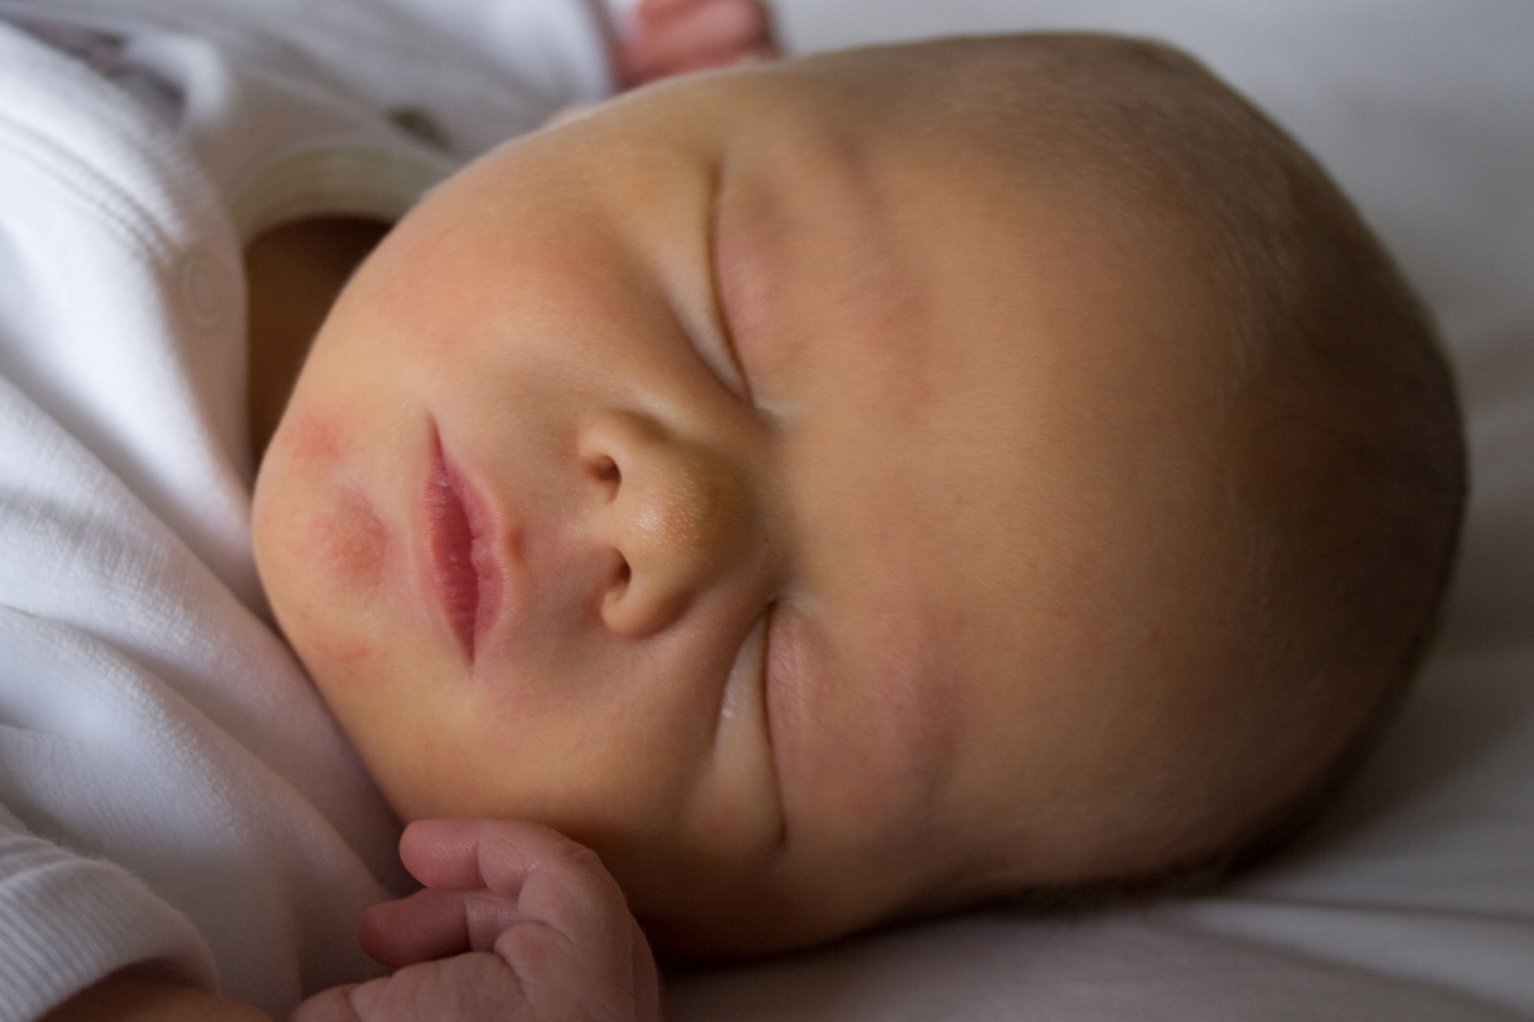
(675, 517)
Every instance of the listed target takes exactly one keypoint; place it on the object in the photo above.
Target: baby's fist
(668, 37)
(516, 923)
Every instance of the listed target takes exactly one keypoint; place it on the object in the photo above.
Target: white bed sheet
(1414, 898)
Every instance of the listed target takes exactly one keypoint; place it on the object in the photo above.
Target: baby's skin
(829, 492)
(839, 490)
(514, 921)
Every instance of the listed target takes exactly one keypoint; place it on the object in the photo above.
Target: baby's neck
(293, 274)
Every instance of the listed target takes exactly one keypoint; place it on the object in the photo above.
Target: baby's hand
(669, 37)
(516, 922)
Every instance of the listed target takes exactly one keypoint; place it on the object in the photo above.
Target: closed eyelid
(778, 304)
(744, 726)
(774, 765)
(793, 665)
(715, 254)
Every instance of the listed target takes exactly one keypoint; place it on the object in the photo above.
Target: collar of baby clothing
(277, 139)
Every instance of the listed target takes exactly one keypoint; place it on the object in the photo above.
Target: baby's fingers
(687, 35)
(493, 855)
(464, 988)
(434, 924)
(339, 1004)
(543, 876)
(541, 901)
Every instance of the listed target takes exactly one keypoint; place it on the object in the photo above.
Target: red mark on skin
(349, 544)
(342, 652)
(312, 439)
(327, 545)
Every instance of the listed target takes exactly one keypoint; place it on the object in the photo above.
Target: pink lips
(464, 568)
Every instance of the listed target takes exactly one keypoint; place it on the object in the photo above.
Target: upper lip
(464, 566)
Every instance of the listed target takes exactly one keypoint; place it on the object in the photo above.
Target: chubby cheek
(424, 765)
(321, 543)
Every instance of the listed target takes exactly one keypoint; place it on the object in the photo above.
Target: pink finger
(333, 1005)
(498, 856)
(722, 25)
(425, 926)
(651, 11)
(727, 57)
(544, 875)
(433, 924)
(443, 853)
(466, 855)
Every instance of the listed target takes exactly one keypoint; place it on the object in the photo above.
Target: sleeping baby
(847, 489)
(797, 498)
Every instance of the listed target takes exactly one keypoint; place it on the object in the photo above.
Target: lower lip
(464, 573)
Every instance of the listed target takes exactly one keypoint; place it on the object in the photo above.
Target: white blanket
(1414, 898)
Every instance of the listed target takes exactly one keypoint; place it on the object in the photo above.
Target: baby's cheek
(309, 439)
(321, 545)
(348, 543)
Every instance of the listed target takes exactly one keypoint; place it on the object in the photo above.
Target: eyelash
(732, 372)
(718, 353)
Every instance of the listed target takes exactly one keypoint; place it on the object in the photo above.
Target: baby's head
(849, 488)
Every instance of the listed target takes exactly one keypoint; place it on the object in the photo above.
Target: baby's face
(771, 488)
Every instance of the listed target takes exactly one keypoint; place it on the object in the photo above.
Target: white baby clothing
(173, 794)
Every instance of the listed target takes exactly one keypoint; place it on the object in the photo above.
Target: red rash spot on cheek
(350, 543)
(342, 652)
(331, 547)
(312, 439)
(347, 549)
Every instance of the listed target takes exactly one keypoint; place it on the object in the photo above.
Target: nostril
(615, 595)
(606, 471)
